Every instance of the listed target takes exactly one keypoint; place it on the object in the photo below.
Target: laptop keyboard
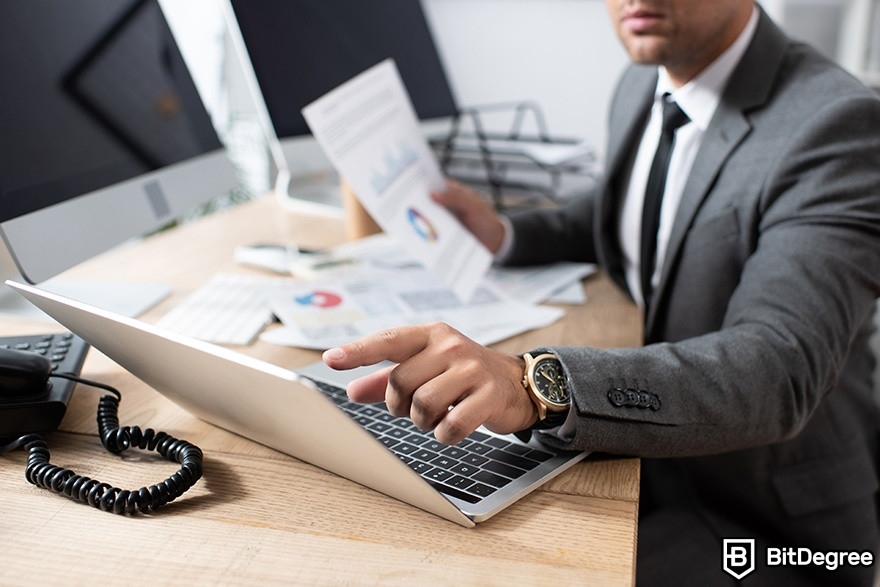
(469, 471)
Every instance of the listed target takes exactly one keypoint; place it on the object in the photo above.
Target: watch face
(550, 382)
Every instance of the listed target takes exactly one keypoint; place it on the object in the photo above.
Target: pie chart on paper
(319, 299)
(422, 225)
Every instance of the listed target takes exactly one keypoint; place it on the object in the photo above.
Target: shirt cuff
(567, 430)
(503, 252)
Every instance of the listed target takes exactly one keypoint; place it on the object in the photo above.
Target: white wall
(562, 54)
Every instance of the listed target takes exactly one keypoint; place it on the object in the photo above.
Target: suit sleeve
(810, 275)
(554, 234)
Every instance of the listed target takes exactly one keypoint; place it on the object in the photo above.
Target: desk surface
(259, 516)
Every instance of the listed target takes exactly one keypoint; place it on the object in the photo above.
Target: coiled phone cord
(116, 439)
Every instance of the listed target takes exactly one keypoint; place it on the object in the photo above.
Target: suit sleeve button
(617, 397)
(655, 402)
(632, 398)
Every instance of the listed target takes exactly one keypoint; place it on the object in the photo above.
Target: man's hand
(443, 380)
(474, 212)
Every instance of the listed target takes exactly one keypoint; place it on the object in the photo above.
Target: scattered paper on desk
(369, 131)
(538, 284)
(384, 287)
(572, 294)
(498, 327)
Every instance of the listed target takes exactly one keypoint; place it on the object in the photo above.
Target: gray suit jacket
(756, 343)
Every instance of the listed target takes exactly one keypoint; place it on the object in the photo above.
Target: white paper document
(369, 130)
(374, 284)
(542, 283)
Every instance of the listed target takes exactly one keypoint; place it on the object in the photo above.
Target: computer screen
(103, 136)
(300, 50)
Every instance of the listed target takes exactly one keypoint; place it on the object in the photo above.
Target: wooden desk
(262, 517)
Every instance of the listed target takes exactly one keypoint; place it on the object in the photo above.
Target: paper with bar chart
(369, 130)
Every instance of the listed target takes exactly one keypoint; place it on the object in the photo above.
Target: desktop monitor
(294, 52)
(103, 137)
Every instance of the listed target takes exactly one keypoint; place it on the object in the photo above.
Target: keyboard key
(502, 469)
(420, 467)
(405, 448)
(424, 455)
(479, 436)
(416, 439)
(512, 459)
(491, 479)
(539, 455)
(454, 492)
(436, 446)
(496, 442)
(438, 474)
(454, 452)
(460, 482)
(479, 448)
(398, 433)
(444, 462)
(463, 469)
(388, 441)
(380, 427)
(473, 459)
(517, 449)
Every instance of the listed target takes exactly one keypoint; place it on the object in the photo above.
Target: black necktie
(673, 117)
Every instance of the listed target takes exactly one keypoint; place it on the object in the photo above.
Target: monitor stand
(317, 193)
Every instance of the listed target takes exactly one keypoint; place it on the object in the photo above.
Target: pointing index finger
(393, 344)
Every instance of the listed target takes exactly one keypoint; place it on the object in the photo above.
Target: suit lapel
(628, 117)
(727, 129)
(749, 87)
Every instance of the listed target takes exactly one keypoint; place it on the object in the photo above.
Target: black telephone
(31, 402)
(23, 374)
(37, 376)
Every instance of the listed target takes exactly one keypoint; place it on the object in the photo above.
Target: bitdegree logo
(830, 560)
(739, 557)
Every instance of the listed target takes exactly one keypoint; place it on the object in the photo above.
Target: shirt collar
(700, 97)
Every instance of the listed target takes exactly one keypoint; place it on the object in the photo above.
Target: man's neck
(681, 74)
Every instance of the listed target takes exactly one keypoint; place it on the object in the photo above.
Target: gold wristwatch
(545, 381)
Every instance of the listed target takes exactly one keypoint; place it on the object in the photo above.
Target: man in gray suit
(751, 401)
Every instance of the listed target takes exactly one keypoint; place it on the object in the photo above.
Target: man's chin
(646, 49)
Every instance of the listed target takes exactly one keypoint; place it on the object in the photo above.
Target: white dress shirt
(698, 99)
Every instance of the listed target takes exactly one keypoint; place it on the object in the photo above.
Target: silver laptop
(306, 414)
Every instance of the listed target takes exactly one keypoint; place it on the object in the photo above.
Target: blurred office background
(562, 54)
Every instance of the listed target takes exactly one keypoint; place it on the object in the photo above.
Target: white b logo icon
(739, 556)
